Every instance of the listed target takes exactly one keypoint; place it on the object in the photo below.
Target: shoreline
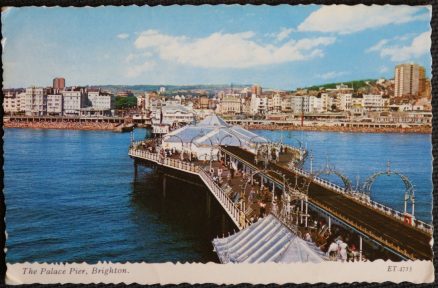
(411, 130)
(94, 126)
(91, 126)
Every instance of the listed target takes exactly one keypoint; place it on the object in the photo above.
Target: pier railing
(365, 200)
(161, 160)
(368, 232)
(301, 151)
(235, 213)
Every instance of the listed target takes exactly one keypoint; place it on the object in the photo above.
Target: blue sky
(282, 47)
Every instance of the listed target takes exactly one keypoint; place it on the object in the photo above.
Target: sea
(73, 196)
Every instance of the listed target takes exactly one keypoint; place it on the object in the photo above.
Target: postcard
(218, 144)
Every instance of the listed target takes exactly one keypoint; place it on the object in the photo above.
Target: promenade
(349, 129)
(65, 124)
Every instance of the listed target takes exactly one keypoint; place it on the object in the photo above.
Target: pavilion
(204, 138)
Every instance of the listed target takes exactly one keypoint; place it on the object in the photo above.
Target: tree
(125, 102)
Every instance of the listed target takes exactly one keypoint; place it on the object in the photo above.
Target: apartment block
(410, 80)
(73, 102)
(55, 104)
(35, 101)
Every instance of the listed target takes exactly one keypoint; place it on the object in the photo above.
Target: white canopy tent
(204, 138)
(267, 240)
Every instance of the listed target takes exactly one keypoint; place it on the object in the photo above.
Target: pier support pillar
(301, 211)
(330, 224)
(360, 248)
(164, 186)
(307, 211)
(223, 223)
(208, 204)
(135, 169)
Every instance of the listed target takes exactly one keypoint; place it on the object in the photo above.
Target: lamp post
(211, 151)
(191, 142)
(182, 145)
(311, 162)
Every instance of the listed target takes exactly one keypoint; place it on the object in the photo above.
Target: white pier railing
(167, 162)
(235, 213)
(359, 197)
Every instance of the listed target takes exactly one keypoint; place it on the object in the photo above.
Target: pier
(251, 180)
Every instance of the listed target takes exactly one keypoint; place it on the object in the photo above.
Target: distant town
(401, 103)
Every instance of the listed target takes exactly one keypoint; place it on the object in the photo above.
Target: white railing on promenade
(359, 197)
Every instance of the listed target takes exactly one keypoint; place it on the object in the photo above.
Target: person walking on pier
(251, 196)
(333, 250)
(343, 251)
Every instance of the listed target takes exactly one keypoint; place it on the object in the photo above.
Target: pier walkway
(233, 190)
(373, 220)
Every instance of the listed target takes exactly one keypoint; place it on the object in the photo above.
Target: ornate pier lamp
(311, 162)
(201, 134)
(182, 144)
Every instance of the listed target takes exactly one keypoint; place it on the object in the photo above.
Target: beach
(65, 125)
(417, 129)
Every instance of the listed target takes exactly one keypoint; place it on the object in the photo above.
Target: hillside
(356, 84)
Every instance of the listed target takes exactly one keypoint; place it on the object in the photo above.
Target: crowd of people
(65, 124)
(338, 244)
(256, 199)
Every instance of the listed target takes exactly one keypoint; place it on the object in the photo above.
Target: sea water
(72, 196)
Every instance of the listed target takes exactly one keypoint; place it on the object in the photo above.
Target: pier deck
(372, 220)
(384, 229)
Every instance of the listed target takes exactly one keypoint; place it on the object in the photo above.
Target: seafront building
(58, 101)
(409, 80)
(13, 100)
(55, 104)
(73, 101)
(248, 102)
(36, 101)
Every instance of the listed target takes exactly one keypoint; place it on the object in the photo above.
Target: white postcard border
(169, 273)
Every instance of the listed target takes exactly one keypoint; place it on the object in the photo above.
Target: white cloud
(123, 36)
(222, 50)
(344, 19)
(282, 34)
(331, 75)
(136, 70)
(419, 46)
(378, 46)
(136, 56)
(383, 69)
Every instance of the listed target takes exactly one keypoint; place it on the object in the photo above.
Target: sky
(279, 47)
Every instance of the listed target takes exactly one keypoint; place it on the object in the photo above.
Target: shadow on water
(185, 228)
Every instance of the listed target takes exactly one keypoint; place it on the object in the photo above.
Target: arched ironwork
(287, 187)
(230, 135)
(300, 143)
(409, 187)
(332, 171)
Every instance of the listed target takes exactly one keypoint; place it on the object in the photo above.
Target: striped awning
(267, 240)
